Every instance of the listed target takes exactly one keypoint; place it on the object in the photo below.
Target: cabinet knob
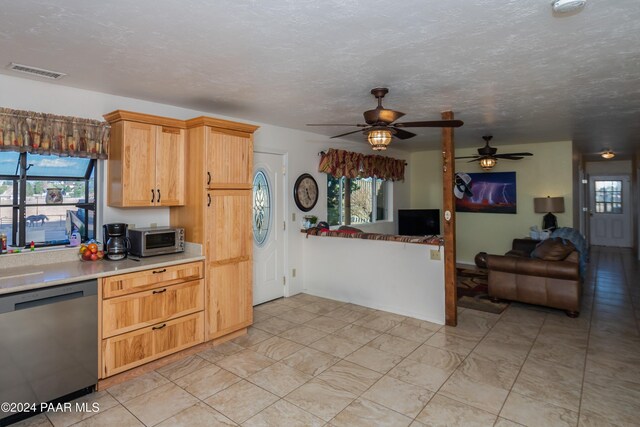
(153, 195)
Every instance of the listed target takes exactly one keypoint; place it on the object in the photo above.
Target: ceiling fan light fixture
(379, 139)
(487, 163)
(567, 6)
(608, 155)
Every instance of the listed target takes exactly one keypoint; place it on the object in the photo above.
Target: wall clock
(305, 192)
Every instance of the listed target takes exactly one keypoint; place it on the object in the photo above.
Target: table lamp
(550, 205)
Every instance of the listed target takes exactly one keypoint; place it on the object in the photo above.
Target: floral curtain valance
(43, 133)
(339, 163)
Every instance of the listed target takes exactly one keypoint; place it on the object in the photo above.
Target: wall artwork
(487, 192)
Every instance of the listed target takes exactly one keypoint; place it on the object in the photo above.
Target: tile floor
(309, 361)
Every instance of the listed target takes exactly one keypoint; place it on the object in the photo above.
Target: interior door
(268, 224)
(610, 211)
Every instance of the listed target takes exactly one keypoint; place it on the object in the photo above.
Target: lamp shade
(548, 204)
(379, 139)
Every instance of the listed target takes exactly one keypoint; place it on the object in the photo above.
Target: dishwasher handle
(45, 296)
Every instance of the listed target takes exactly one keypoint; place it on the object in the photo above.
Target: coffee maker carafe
(116, 243)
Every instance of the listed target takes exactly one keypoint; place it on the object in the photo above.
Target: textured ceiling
(506, 67)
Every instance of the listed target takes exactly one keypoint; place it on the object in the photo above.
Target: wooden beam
(449, 208)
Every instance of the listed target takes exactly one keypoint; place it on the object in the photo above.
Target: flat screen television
(419, 222)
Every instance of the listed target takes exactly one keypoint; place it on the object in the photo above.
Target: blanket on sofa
(578, 240)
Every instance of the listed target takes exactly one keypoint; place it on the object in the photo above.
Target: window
(356, 201)
(43, 198)
(261, 208)
(608, 197)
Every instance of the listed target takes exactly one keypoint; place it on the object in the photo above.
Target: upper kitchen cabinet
(228, 152)
(146, 165)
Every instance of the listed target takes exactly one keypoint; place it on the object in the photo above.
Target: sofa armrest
(524, 245)
(534, 267)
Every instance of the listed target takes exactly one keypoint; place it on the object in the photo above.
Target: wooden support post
(449, 211)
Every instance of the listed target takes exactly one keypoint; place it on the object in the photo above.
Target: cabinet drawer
(149, 279)
(135, 348)
(134, 311)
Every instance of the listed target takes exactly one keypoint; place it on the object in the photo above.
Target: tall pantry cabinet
(217, 214)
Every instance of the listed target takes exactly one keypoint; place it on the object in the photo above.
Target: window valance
(43, 133)
(339, 163)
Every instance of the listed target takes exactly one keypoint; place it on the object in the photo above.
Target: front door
(268, 223)
(610, 211)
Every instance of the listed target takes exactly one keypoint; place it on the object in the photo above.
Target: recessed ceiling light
(608, 155)
(567, 6)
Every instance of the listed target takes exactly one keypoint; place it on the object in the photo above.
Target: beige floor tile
(279, 379)
(379, 361)
(378, 322)
(360, 308)
(470, 326)
(551, 383)
(411, 333)
(274, 325)
(534, 413)
(182, 367)
(480, 395)
(394, 345)
(320, 398)
(228, 348)
(310, 361)
(445, 412)
(160, 404)
(245, 363)
(293, 302)
(455, 343)
(277, 348)
(503, 422)
(275, 308)
(116, 416)
(419, 374)
(521, 332)
(102, 399)
(350, 377)
(485, 370)
(617, 401)
(303, 335)
(199, 415)
(211, 355)
(135, 387)
(500, 347)
(346, 315)
(612, 368)
(259, 316)
(241, 401)
(252, 337)
(207, 381)
(365, 413)
(430, 326)
(320, 308)
(39, 420)
(445, 360)
(326, 324)
(568, 356)
(357, 333)
(283, 413)
(336, 346)
(408, 399)
(297, 315)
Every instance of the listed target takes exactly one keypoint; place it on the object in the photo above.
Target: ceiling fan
(380, 127)
(488, 158)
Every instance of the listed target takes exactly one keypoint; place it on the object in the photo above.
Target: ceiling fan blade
(508, 157)
(337, 124)
(516, 154)
(403, 134)
(467, 157)
(345, 134)
(474, 160)
(381, 115)
(431, 124)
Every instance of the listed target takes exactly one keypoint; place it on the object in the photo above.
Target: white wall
(301, 149)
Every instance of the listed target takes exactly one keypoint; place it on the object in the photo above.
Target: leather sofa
(517, 276)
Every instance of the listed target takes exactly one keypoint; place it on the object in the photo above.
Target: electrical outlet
(153, 225)
(293, 272)
(293, 216)
(131, 226)
(435, 254)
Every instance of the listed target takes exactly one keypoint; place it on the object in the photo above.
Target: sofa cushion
(553, 249)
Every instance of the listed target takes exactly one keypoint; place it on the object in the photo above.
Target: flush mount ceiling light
(608, 155)
(567, 6)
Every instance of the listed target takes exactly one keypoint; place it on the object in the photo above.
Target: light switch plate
(435, 254)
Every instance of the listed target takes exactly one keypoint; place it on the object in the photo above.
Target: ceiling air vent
(40, 72)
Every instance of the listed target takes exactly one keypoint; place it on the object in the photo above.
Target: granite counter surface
(16, 279)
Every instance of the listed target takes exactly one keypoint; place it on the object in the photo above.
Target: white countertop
(16, 279)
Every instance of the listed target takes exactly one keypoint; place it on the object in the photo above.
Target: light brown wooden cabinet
(149, 314)
(217, 214)
(146, 160)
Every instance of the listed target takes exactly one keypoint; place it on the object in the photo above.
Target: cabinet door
(230, 298)
(139, 164)
(170, 166)
(229, 160)
(134, 311)
(229, 231)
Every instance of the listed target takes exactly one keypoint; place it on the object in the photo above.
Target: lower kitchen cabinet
(229, 297)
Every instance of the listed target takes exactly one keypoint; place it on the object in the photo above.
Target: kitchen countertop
(16, 279)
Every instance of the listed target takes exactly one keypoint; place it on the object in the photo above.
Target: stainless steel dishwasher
(48, 344)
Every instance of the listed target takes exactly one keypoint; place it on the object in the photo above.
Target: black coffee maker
(116, 243)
